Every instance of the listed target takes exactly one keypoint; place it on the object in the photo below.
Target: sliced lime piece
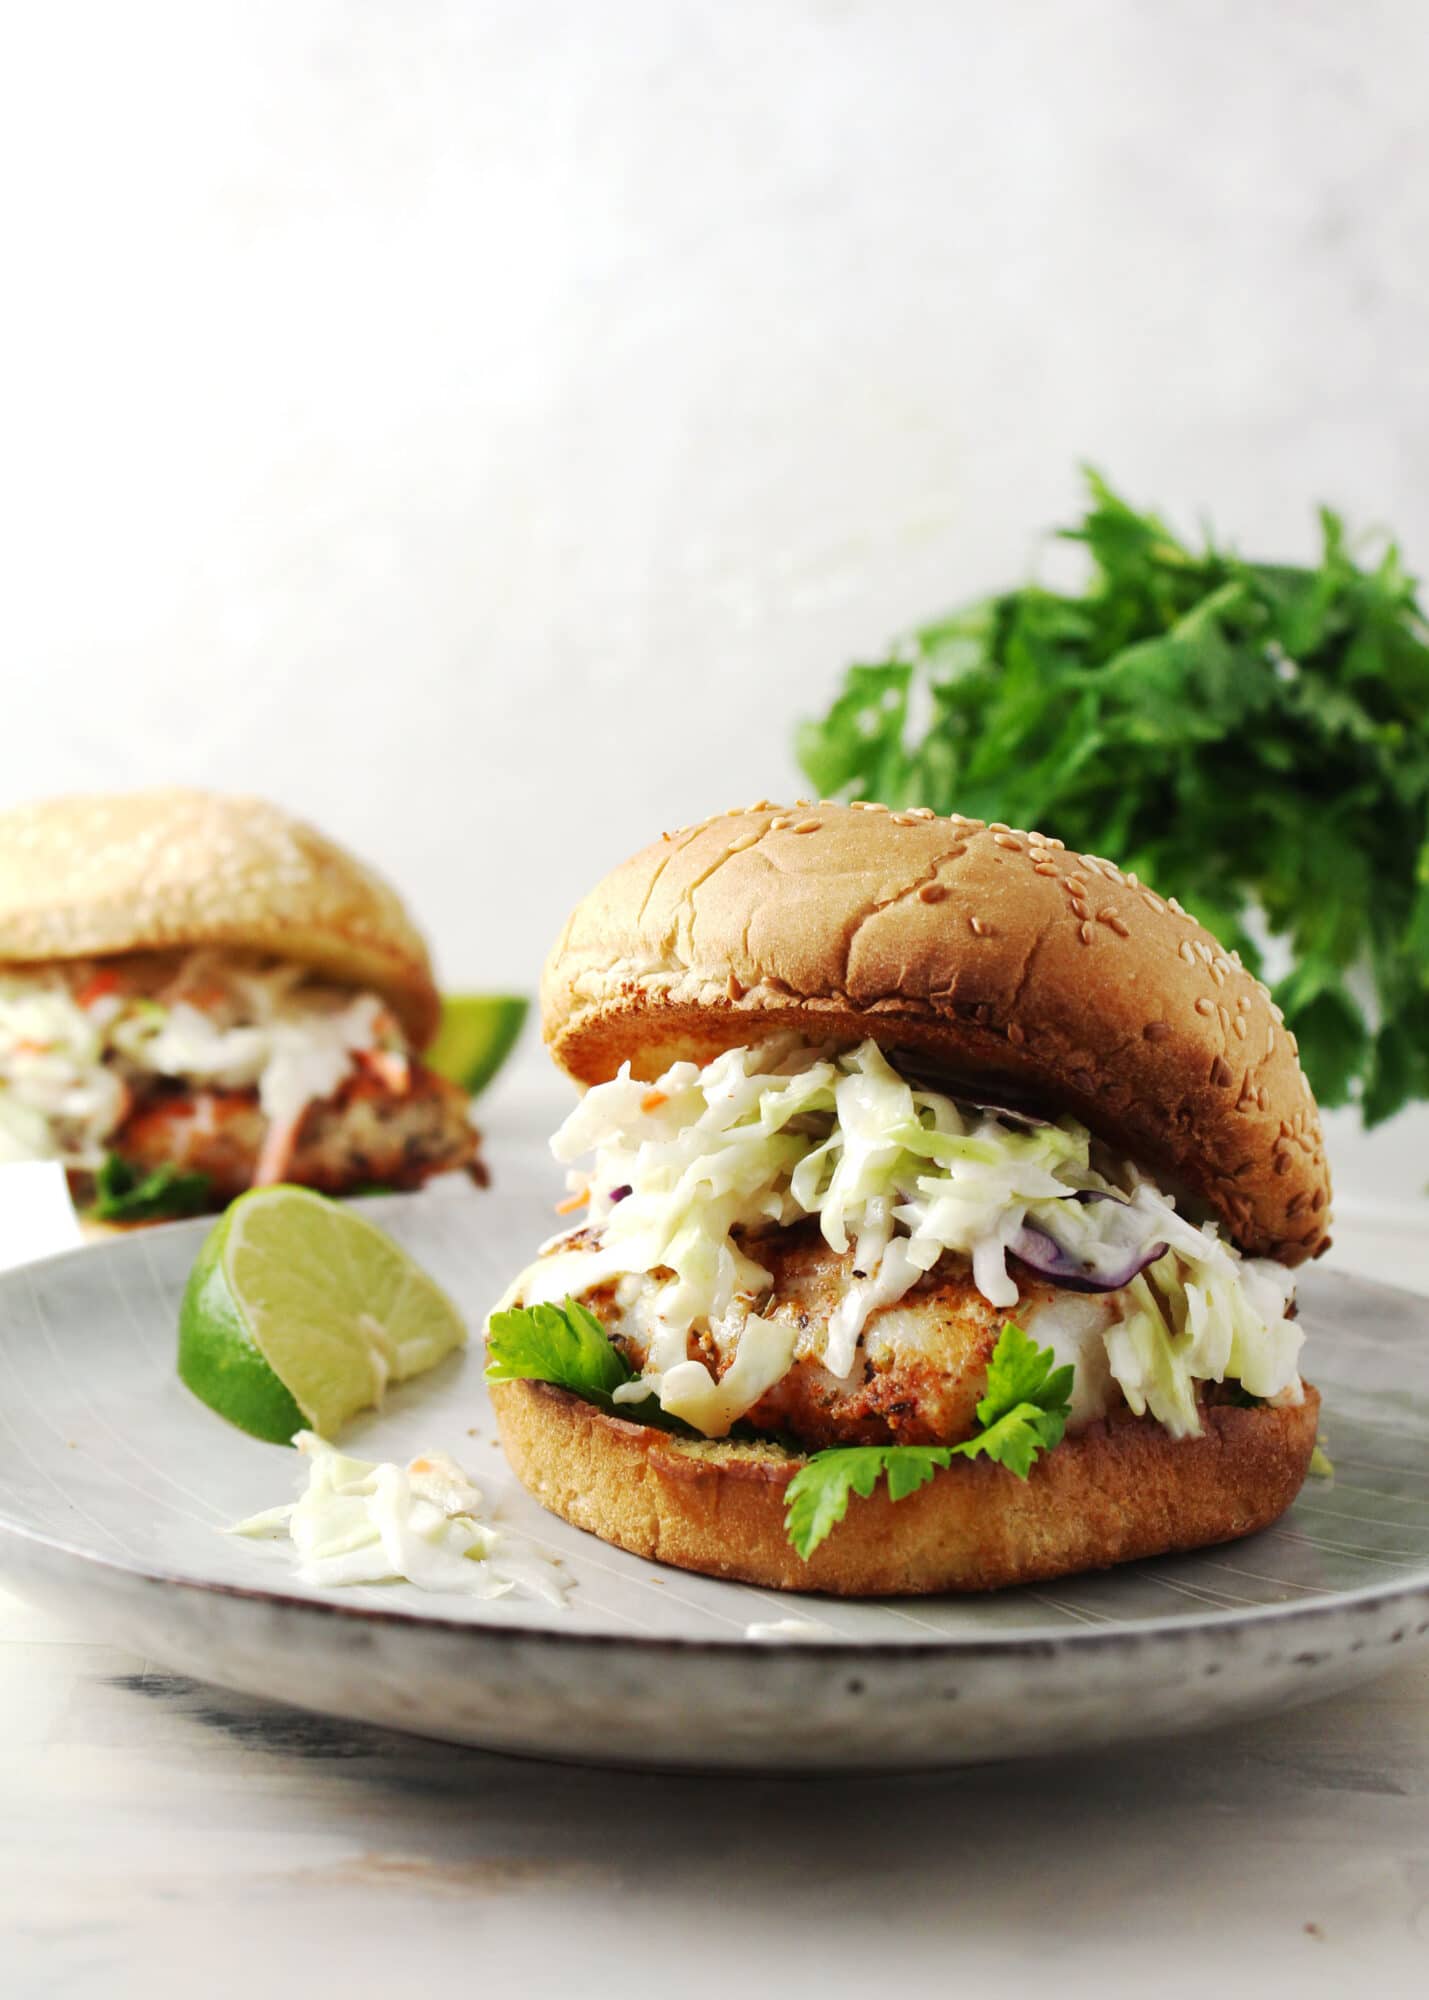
(477, 1033)
(299, 1312)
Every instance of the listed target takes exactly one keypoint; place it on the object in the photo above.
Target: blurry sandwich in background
(201, 994)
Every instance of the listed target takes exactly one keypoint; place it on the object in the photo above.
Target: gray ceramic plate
(114, 1483)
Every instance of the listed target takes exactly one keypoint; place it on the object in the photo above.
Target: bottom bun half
(1119, 1490)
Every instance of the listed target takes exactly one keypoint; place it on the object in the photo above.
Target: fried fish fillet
(922, 1365)
(368, 1133)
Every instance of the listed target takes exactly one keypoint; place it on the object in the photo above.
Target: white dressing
(904, 1175)
(355, 1522)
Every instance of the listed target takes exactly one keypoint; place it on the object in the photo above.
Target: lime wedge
(477, 1033)
(299, 1312)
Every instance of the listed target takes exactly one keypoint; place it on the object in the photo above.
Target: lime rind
(219, 1362)
(476, 1034)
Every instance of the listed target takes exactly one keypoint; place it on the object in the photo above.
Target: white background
(487, 427)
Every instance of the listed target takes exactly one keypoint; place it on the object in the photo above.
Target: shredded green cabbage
(356, 1522)
(77, 1043)
(902, 1175)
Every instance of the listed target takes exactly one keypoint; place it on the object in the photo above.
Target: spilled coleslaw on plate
(356, 1522)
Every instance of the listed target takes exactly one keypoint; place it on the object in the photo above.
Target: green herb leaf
(122, 1195)
(1250, 737)
(568, 1346)
(1023, 1413)
(820, 1491)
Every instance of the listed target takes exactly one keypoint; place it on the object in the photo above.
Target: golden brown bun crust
(1116, 1492)
(101, 875)
(999, 956)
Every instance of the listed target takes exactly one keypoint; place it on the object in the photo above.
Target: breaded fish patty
(368, 1132)
(921, 1368)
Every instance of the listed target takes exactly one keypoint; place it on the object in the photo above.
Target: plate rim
(1083, 1640)
(1039, 1639)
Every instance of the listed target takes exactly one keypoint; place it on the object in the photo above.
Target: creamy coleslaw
(688, 1170)
(80, 1043)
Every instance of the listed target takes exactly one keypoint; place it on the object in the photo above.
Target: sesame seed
(1239, 1025)
(923, 812)
(1085, 933)
(904, 819)
(1204, 1004)
(1184, 951)
(1113, 922)
(1006, 840)
(808, 826)
(1045, 868)
(1221, 1073)
(1079, 909)
(932, 892)
(778, 825)
(1016, 1035)
(997, 826)
(1156, 1031)
(981, 929)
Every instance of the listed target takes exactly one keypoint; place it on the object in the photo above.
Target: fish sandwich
(941, 1195)
(199, 994)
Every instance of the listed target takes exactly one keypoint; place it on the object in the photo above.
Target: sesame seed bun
(1000, 958)
(103, 875)
(1120, 1490)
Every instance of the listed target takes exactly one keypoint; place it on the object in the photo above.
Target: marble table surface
(158, 1836)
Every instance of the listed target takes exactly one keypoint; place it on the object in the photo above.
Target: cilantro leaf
(123, 1195)
(1250, 737)
(567, 1345)
(820, 1490)
(1023, 1413)
(1021, 1373)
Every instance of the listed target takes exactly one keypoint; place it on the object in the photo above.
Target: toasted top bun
(101, 875)
(999, 959)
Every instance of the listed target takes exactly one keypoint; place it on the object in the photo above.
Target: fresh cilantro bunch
(1250, 737)
(1024, 1412)
(122, 1194)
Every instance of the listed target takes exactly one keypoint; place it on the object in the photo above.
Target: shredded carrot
(652, 1100)
(102, 984)
(573, 1201)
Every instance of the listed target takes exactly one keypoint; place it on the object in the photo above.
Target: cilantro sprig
(568, 1346)
(1024, 1413)
(122, 1194)
(1251, 737)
